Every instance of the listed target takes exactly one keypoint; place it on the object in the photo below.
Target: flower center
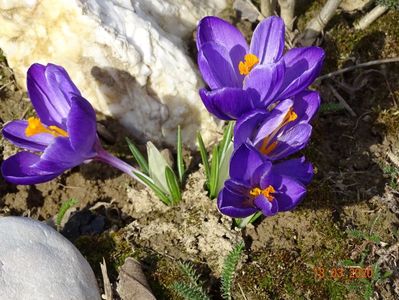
(250, 61)
(266, 148)
(35, 126)
(255, 192)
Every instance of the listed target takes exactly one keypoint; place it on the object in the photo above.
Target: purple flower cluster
(265, 91)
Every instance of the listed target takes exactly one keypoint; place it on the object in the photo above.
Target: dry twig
(287, 13)
(342, 100)
(318, 23)
(267, 7)
(107, 282)
(370, 17)
(363, 65)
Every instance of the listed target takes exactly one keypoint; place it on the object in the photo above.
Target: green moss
(343, 41)
(110, 246)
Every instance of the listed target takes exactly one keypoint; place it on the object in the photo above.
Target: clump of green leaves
(391, 4)
(193, 289)
(63, 209)
(158, 173)
(217, 167)
(229, 267)
(393, 174)
(365, 286)
(331, 107)
(358, 234)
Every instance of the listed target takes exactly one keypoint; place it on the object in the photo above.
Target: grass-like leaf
(227, 136)
(138, 156)
(214, 175)
(229, 268)
(173, 185)
(189, 291)
(160, 194)
(64, 207)
(180, 162)
(204, 158)
(224, 166)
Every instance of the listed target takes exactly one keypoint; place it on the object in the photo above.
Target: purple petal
(297, 168)
(227, 103)
(290, 193)
(247, 125)
(244, 161)
(237, 186)
(233, 204)
(61, 156)
(268, 40)
(15, 132)
(271, 124)
(81, 125)
(50, 90)
(20, 169)
(291, 141)
(302, 67)
(213, 29)
(266, 80)
(268, 208)
(306, 104)
(216, 67)
(260, 173)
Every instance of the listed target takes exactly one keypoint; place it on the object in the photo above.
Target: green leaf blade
(173, 185)
(180, 161)
(204, 158)
(213, 182)
(160, 194)
(138, 156)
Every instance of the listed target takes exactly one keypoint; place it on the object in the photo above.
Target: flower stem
(111, 160)
(241, 223)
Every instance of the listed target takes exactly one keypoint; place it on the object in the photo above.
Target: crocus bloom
(282, 131)
(242, 77)
(61, 137)
(256, 184)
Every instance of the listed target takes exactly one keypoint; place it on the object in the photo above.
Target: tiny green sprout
(217, 167)
(63, 209)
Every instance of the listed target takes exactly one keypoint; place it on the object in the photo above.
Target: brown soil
(350, 215)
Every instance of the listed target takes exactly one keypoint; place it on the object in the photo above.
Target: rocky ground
(349, 220)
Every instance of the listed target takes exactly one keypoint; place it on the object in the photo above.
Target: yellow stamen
(266, 148)
(265, 192)
(250, 61)
(35, 126)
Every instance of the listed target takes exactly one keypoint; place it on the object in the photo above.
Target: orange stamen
(266, 148)
(250, 61)
(265, 192)
(35, 126)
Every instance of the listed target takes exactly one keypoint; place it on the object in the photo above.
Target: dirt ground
(349, 220)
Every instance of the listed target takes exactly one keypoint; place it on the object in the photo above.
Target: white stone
(129, 58)
(38, 263)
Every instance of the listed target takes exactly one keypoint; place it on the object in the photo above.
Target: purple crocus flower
(256, 184)
(242, 77)
(62, 137)
(282, 131)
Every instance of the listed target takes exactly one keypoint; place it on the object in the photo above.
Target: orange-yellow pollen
(250, 61)
(35, 126)
(265, 192)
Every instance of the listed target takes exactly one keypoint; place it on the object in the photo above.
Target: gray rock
(36, 262)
